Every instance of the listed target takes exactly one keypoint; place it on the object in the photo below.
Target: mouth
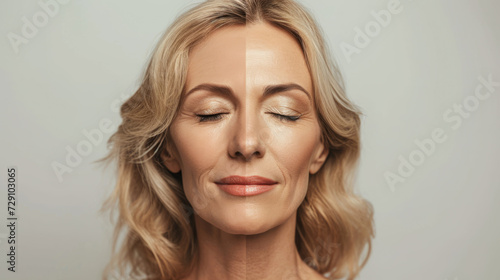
(246, 186)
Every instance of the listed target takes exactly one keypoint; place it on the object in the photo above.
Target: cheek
(199, 149)
(294, 149)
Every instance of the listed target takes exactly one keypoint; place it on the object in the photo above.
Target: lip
(246, 186)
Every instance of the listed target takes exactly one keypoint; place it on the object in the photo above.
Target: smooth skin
(226, 126)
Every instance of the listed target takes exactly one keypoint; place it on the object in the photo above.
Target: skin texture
(247, 237)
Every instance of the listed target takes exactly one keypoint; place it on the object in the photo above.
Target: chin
(245, 224)
(242, 228)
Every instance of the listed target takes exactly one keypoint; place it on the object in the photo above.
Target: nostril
(247, 157)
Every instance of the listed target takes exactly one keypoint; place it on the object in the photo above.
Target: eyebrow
(269, 90)
(222, 90)
(284, 87)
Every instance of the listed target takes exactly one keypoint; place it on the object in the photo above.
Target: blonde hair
(334, 226)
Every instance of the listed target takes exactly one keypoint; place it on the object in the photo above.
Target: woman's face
(248, 111)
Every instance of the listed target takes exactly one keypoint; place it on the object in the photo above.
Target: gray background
(440, 223)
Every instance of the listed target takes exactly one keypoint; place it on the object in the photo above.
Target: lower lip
(245, 190)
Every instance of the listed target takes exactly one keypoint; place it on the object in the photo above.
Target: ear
(170, 161)
(319, 158)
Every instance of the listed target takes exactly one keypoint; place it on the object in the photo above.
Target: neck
(268, 255)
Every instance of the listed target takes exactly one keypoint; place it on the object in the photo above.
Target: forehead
(247, 57)
(219, 58)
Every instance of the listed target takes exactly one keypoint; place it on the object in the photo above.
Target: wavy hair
(154, 225)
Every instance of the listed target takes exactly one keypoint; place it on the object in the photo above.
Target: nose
(247, 141)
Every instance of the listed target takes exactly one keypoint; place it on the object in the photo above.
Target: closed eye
(285, 117)
(216, 117)
(208, 118)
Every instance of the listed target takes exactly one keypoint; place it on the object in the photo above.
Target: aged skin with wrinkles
(227, 126)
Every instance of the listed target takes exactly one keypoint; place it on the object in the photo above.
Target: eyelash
(212, 117)
(286, 118)
(216, 117)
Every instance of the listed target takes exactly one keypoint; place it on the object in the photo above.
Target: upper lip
(246, 180)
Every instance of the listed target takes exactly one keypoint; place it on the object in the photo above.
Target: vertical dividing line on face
(244, 105)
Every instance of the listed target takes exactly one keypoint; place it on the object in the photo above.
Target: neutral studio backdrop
(430, 169)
